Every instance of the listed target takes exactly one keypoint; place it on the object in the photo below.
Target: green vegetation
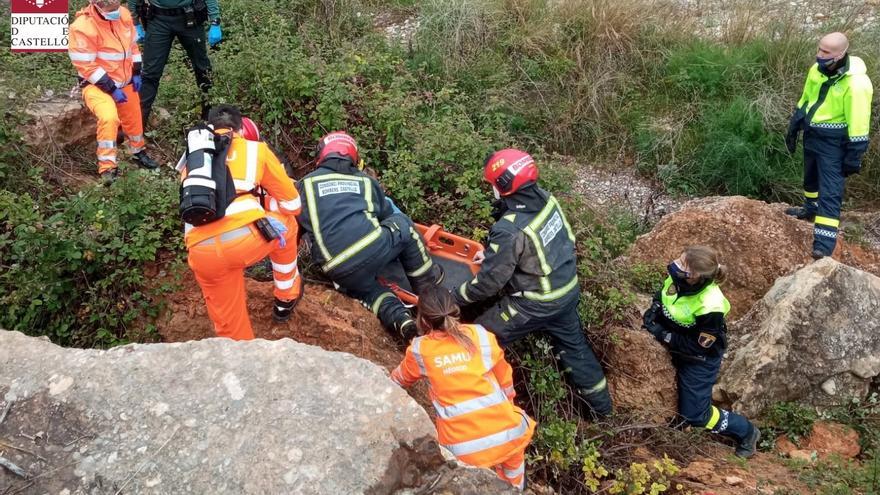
(605, 81)
(832, 476)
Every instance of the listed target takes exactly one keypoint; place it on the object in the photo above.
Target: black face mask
(680, 279)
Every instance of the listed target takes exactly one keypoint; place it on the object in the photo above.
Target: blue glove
(119, 96)
(141, 33)
(136, 82)
(280, 228)
(394, 207)
(214, 34)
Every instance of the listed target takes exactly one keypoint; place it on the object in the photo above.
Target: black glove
(851, 168)
(795, 124)
(650, 322)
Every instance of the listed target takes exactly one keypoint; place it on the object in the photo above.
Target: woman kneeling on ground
(687, 317)
(471, 386)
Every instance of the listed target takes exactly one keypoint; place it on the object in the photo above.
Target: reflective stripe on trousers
(489, 441)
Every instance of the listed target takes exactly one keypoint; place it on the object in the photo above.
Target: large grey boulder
(814, 338)
(214, 416)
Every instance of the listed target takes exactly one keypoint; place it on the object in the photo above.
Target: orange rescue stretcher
(453, 253)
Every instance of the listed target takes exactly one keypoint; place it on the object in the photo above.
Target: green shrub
(74, 268)
(708, 69)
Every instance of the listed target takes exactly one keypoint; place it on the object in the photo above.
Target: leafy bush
(74, 268)
(705, 69)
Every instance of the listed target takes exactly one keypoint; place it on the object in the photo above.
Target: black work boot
(144, 160)
(818, 255)
(593, 405)
(407, 330)
(432, 278)
(109, 176)
(749, 445)
(282, 310)
(801, 213)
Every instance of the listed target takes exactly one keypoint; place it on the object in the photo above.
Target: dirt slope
(758, 243)
(324, 318)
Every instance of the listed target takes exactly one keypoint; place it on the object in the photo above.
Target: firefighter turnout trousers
(110, 116)
(219, 263)
(824, 152)
(509, 320)
(398, 239)
(695, 378)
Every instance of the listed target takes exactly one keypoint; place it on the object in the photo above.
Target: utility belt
(262, 225)
(196, 13)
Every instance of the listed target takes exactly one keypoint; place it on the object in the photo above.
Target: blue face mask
(112, 15)
(825, 62)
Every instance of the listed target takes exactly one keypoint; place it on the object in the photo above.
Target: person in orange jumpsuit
(102, 47)
(220, 251)
(471, 386)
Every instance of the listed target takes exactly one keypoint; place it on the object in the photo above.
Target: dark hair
(438, 311)
(704, 262)
(225, 117)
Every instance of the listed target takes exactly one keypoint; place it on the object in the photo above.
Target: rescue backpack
(208, 187)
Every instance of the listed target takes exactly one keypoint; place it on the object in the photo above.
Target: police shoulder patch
(706, 340)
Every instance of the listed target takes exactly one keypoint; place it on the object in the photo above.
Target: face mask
(112, 15)
(825, 62)
(677, 274)
(496, 192)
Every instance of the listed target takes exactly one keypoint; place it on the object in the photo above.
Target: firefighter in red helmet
(530, 262)
(355, 232)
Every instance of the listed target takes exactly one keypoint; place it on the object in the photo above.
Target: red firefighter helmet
(510, 170)
(338, 143)
(249, 129)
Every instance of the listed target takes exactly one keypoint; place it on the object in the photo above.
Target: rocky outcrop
(758, 242)
(214, 416)
(59, 122)
(814, 338)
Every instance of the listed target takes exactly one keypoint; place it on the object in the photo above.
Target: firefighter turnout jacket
(472, 393)
(105, 53)
(529, 256)
(342, 215)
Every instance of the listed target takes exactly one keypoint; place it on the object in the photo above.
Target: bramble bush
(73, 268)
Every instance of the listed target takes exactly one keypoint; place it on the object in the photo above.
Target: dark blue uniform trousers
(695, 381)
(824, 150)
(358, 275)
(562, 324)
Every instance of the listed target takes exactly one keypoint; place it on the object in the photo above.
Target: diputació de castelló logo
(39, 25)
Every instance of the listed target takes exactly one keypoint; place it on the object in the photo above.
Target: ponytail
(438, 311)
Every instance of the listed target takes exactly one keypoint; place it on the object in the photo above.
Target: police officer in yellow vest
(687, 317)
(835, 114)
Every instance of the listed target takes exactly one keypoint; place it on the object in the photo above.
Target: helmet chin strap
(496, 192)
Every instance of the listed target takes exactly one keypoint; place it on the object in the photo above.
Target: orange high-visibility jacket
(251, 164)
(97, 46)
(472, 393)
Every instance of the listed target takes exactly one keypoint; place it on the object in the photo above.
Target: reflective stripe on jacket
(847, 104)
(99, 47)
(252, 164)
(530, 254)
(472, 393)
(341, 215)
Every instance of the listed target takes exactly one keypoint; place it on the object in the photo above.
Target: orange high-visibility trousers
(513, 469)
(219, 262)
(110, 115)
